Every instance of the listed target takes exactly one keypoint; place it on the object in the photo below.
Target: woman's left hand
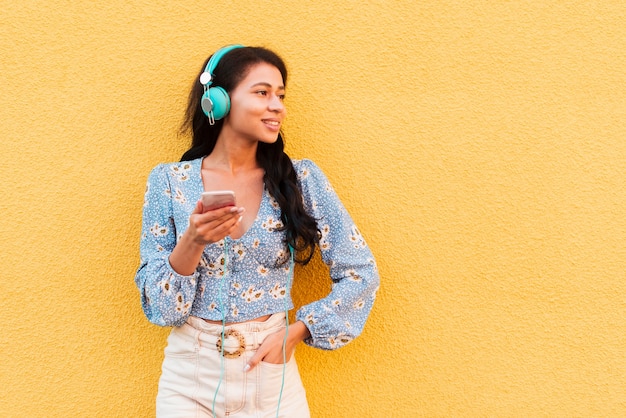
(271, 350)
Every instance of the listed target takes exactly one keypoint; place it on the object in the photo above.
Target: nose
(276, 104)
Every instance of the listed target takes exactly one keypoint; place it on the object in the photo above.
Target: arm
(340, 317)
(337, 319)
(167, 276)
(166, 295)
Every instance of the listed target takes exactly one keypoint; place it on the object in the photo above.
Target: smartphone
(217, 199)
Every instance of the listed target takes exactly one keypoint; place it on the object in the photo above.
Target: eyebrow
(266, 84)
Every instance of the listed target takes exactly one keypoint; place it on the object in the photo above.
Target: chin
(269, 140)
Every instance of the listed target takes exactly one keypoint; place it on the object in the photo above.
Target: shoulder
(180, 170)
(313, 182)
(306, 169)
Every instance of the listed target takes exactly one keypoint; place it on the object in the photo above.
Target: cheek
(238, 112)
(246, 109)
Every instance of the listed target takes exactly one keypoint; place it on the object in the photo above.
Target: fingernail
(240, 219)
(246, 368)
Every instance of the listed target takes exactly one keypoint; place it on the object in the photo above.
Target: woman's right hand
(204, 228)
(213, 225)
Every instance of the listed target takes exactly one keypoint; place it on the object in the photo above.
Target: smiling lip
(272, 123)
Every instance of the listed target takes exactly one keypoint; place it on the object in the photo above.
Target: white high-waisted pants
(193, 365)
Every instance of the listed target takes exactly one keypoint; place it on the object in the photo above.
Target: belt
(240, 349)
(236, 341)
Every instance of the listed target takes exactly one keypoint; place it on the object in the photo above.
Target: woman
(222, 277)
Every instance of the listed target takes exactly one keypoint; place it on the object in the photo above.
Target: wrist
(298, 331)
(186, 255)
(192, 243)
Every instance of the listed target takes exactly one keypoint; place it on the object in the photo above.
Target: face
(256, 105)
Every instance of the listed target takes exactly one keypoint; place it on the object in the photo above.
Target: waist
(228, 324)
(237, 337)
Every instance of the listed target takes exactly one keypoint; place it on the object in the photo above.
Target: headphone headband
(206, 78)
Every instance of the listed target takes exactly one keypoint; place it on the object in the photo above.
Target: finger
(223, 214)
(216, 229)
(230, 220)
(221, 228)
(238, 209)
(235, 213)
(254, 360)
(198, 209)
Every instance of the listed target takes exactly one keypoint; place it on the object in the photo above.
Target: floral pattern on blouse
(245, 278)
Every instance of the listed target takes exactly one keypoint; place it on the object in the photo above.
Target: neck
(233, 155)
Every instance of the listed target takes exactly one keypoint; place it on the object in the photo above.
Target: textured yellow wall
(480, 146)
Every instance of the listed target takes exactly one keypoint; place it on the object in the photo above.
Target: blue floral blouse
(249, 277)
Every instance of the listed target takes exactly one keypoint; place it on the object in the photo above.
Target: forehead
(263, 73)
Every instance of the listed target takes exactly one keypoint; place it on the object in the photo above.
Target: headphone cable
(221, 301)
(289, 279)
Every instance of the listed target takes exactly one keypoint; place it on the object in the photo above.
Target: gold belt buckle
(242, 343)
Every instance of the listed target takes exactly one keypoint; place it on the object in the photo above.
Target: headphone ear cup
(220, 100)
(206, 104)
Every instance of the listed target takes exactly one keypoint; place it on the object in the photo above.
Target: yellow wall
(480, 146)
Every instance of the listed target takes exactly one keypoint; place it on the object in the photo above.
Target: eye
(261, 92)
(281, 97)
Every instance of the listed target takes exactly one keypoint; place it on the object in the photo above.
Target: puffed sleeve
(166, 296)
(340, 317)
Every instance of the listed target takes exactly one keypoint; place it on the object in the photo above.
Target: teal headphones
(215, 101)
